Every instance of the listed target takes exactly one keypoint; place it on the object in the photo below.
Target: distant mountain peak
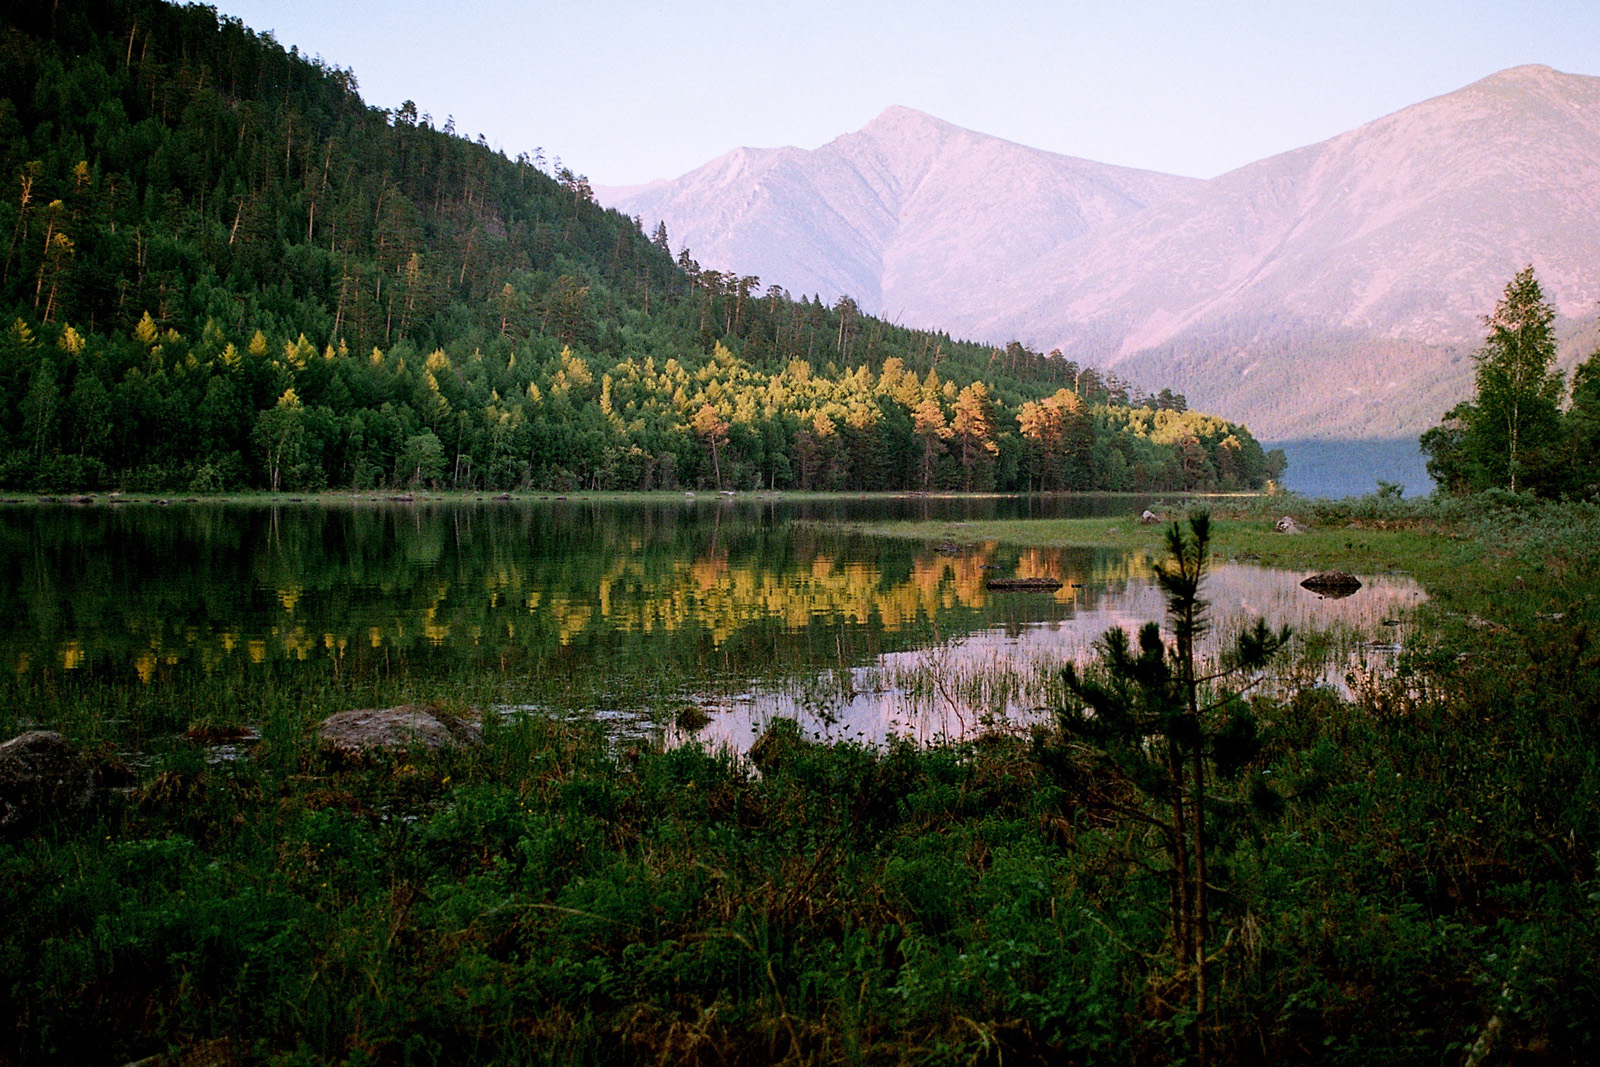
(1329, 289)
(896, 115)
(901, 121)
(897, 214)
(1528, 72)
(911, 135)
(1533, 83)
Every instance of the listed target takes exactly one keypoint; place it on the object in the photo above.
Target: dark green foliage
(1582, 458)
(223, 270)
(480, 906)
(1170, 745)
(1512, 434)
(1388, 872)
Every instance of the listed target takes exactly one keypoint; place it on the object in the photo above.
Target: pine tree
(1169, 744)
(1583, 427)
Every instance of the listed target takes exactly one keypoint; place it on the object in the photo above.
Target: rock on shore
(368, 730)
(42, 775)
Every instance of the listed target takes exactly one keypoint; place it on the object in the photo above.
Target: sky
(627, 91)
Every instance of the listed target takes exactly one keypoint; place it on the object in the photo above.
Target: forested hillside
(224, 270)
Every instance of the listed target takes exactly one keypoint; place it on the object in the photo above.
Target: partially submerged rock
(366, 731)
(692, 717)
(779, 743)
(1288, 525)
(1333, 583)
(42, 775)
(1041, 585)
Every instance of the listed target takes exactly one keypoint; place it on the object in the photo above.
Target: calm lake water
(745, 607)
(1354, 468)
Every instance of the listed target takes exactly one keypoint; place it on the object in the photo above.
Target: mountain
(1332, 291)
(225, 270)
(1339, 287)
(905, 215)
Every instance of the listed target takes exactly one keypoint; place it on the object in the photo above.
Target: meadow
(1422, 889)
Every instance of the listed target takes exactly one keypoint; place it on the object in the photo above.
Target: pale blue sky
(629, 90)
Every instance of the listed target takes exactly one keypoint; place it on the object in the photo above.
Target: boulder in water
(1333, 583)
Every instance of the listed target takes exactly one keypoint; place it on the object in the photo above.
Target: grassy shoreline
(1410, 541)
(550, 897)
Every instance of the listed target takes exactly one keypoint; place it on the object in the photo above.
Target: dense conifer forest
(224, 270)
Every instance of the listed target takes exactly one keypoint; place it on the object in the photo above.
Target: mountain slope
(1320, 267)
(904, 215)
(1332, 290)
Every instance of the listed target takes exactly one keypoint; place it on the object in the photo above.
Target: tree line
(226, 271)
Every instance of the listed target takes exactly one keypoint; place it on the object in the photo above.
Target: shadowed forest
(226, 271)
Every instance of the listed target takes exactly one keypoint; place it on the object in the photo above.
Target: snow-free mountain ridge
(1334, 290)
(903, 215)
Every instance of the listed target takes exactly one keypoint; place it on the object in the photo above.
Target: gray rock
(42, 776)
(371, 730)
(1149, 518)
(1288, 525)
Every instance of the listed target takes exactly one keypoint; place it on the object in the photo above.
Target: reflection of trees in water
(1005, 674)
(693, 588)
(571, 582)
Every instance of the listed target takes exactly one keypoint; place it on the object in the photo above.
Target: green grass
(1427, 544)
(549, 898)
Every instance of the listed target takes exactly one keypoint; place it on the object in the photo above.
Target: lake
(1326, 468)
(743, 607)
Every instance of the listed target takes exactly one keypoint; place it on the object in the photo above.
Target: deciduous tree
(929, 425)
(1505, 435)
(713, 429)
(973, 431)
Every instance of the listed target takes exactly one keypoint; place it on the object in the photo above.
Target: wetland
(770, 779)
(745, 608)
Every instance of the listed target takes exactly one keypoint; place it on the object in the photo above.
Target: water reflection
(1005, 675)
(733, 605)
(210, 586)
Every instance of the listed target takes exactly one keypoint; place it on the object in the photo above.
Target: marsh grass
(550, 897)
(958, 688)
